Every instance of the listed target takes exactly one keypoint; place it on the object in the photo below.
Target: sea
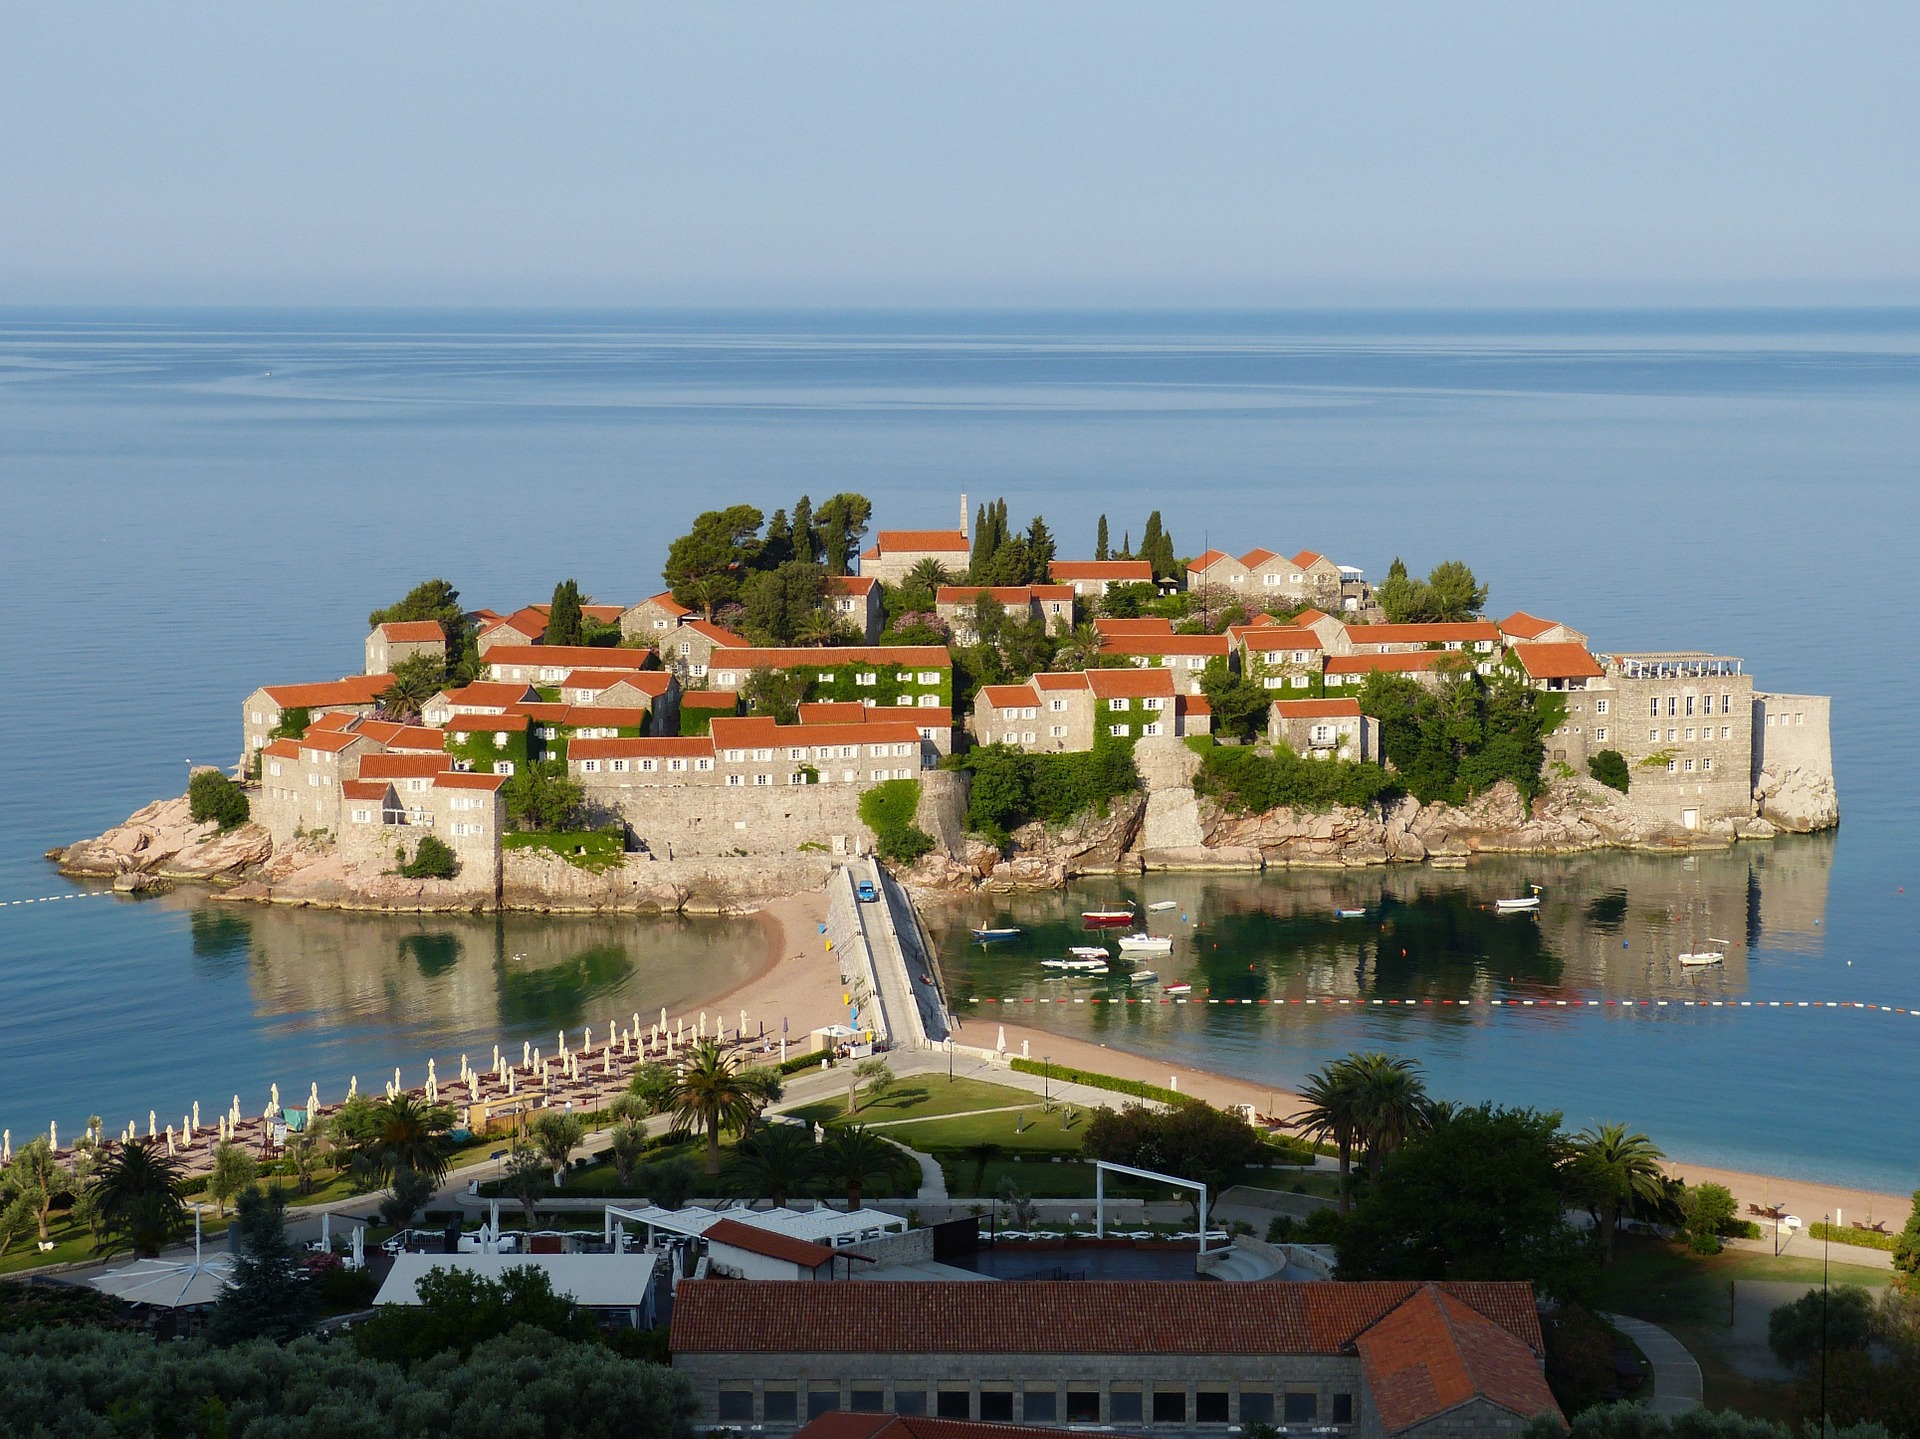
(198, 502)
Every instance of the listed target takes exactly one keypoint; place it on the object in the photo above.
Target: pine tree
(1100, 549)
(778, 548)
(268, 1294)
(563, 617)
(1039, 552)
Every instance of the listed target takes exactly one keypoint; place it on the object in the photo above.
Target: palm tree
(137, 1197)
(775, 1162)
(1393, 1104)
(928, 575)
(1333, 1114)
(707, 1095)
(855, 1157)
(406, 1136)
(1616, 1169)
(407, 694)
(629, 1143)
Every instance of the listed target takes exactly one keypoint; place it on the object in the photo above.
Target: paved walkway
(1676, 1374)
(933, 1179)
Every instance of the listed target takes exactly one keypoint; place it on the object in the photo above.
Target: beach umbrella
(153, 1124)
(6, 1146)
(1000, 1044)
(703, 1024)
(496, 1056)
(196, 1114)
(273, 1099)
(663, 1016)
(526, 1051)
(169, 1141)
(353, 1085)
(168, 1283)
(511, 1087)
(606, 1060)
(313, 1102)
(53, 1134)
(326, 1231)
(433, 1084)
(562, 1049)
(233, 1114)
(586, 1038)
(396, 1078)
(186, 1134)
(359, 1246)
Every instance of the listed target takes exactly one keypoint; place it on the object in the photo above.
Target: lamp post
(1826, 1244)
(1046, 1078)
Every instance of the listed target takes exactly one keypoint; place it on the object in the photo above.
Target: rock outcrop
(162, 841)
(1797, 799)
(539, 880)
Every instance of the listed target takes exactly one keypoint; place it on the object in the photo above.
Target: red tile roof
(353, 690)
(413, 632)
(1308, 616)
(605, 614)
(330, 741)
(710, 700)
(454, 779)
(652, 683)
(724, 638)
(1276, 638)
(841, 1424)
(969, 594)
(1130, 683)
(1136, 1317)
(1196, 704)
(363, 788)
(1408, 663)
(1253, 559)
(760, 731)
(487, 724)
(1151, 626)
(1524, 626)
(922, 541)
(1317, 709)
(1206, 561)
(1119, 572)
(600, 716)
(529, 622)
(336, 720)
(1052, 592)
(1466, 632)
(665, 601)
(1306, 559)
(540, 710)
(573, 657)
(1560, 661)
(1167, 645)
(851, 585)
(1434, 1353)
(490, 694)
(1008, 696)
(282, 748)
(641, 747)
(1070, 680)
(764, 1241)
(403, 766)
(834, 712)
(912, 657)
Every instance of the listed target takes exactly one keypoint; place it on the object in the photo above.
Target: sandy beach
(801, 980)
(1802, 1197)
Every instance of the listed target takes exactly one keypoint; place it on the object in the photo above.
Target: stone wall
(1793, 784)
(702, 822)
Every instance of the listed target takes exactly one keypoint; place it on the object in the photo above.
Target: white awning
(598, 1281)
(833, 1227)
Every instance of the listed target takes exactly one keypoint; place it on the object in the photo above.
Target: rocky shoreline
(1166, 826)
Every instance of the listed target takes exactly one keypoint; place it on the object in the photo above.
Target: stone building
(1445, 1361)
(522, 627)
(1323, 729)
(268, 707)
(959, 605)
(1522, 628)
(689, 651)
(896, 552)
(1280, 657)
(653, 619)
(398, 640)
(1793, 761)
(1091, 579)
(1186, 655)
(1263, 578)
(1478, 637)
(549, 665)
(890, 676)
(1070, 712)
(855, 601)
(482, 697)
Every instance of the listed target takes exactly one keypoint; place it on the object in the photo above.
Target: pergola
(1100, 1168)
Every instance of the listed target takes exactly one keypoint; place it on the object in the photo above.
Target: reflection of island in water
(498, 975)
(1610, 925)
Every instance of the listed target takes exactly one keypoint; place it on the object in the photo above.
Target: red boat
(1102, 917)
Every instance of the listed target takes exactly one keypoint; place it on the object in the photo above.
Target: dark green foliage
(707, 565)
(563, 616)
(1250, 783)
(211, 796)
(1101, 549)
(778, 546)
(1479, 1195)
(1127, 602)
(1449, 593)
(432, 859)
(293, 723)
(1627, 1420)
(460, 1310)
(888, 809)
(802, 535)
(1609, 766)
(1579, 1357)
(268, 1294)
(780, 602)
(92, 1384)
(1001, 557)
(1794, 1333)
(839, 524)
(428, 600)
(539, 796)
(669, 1185)
(776, 692)
(1707, 1212)
(137, 1200)
(49, 1306)
(1011, 787)
(1156, 547)
(1193, 1141)
(1240, 706)
(1450, 746)
(1906, 1252)
(416, 679)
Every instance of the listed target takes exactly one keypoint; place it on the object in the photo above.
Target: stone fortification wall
(1793, 785)
(540, 880)
(709, 822)
(942, 811)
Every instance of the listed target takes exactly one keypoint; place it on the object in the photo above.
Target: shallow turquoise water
(197, 502)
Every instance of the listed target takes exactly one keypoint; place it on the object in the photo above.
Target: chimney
(965, 518)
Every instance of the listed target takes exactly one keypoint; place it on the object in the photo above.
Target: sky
(974, 154)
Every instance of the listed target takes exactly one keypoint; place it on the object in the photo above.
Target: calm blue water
(199, 502)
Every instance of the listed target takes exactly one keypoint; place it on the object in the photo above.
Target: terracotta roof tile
(282, 748)
(413, 632)
(969, 594)
(1277, 638)
(760, 731)
(724, 638)
(833, 656)
(1559, 661)
(490, 694)
(336, 720)
(455, 779)
(641, 747)
(851, 585)
(1008, 696)
(710, 700)
(1409, 663)
(1130, 683)
(665, 601)
(331, 741)
(353, 690)
(1196, 704)
(573, 657)
(1307, 559)
(487, 724)
(1209, 645)
(756, 1240)
(1253, 559)
(1522, 625)
(1467, 632)
(363, 788)
(1206, 561)
(834, 712)
(1317, 709)
(1150, 626)
(1119, 572)
(922, 542)
(403, 766)
(1434, 1353)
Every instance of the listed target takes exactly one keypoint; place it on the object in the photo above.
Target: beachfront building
(1091, 579)
(1443, 1361)
(896, 552)
(388, 644)
(1323, 729)
(1072, 712)
(287, 710)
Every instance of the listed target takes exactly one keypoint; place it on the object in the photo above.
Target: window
(1726, 731)
(1343, 1409)
(1119, 731)
(929, 677)
(1154, 702)
(866, 677)
(680, 764)
(736, 1405)
(1124, 1406)
(867, 1401)
(1673, 767)
(778, 1406)
(1057, 706)
(1118, 706)
(363, 816)
(1058, 731)
(590, 766)
(699, 764)
(1601, 734)
(503, 766)
(1673, 705)
(796, 778)
(700, 672)
(1083, 1406)
(929, 702)
(909, 1401)
(1689, 766)
(1689, 733)
(648, 766)
(313, 782)
(954, 1404)
(762, 779)
(1299, 682)
(1653, 707)
(1302, 1406)
(1726, 704)
(1323, 734)
(1274, 682)
(1256, 1406)
(1041, 1404)
(905, 677)
(1599, 708)
(996, 1405)
(1689, 704)
(1672, 734)
(903, 700)
(822, 1401)
(620, 766)
(1707, 763)
(797, 753)
(879, 774)
(1147, 730)
(1210, 1406)
(1800, 719)
(1169, 1406)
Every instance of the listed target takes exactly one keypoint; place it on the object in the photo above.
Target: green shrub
(1451, 745)
(1862, 1238)
(1251, 783)
(904, 846)
(888, 810)
(1068, 1075)
(1011, 787)
(432, 859)
(212, 796)
(1610, 768)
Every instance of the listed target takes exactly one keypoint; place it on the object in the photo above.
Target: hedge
(1861, 1238)
(1139, 1089)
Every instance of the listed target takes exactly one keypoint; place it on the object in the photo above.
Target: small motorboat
(988, 936)
(1177, 989)
(1078, 966)
(1349, 914)
(1162, 904)
(1090, 951)
(1107, 916)
(1695, 959)
(1517, 906)
(1146, 944)
(1143, 976)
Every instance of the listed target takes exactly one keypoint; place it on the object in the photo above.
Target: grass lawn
(922, 1096)
(592, 850)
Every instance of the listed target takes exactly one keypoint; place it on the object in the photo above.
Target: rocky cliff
(1797, 798)
(161, 841)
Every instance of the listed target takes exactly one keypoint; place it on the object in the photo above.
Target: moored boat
(987, 936)
(1517, 906)
(1146, 944)
(1160, 904)
(1078, 966)
(1107, 916)
(1089, 951)
(1349, 914)
(1143, 976)
(1181, 988)
(1694, 959)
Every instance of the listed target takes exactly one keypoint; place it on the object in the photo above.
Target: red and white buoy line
(1555, 1005)
(52, 898)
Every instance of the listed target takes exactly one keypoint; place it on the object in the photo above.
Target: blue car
(868, 894)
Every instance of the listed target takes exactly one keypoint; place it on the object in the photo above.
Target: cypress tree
(1100, 548)
(1039, 552)
(1150, 543)
(1126, 545)
(806, 542)
(563, 616)
(778, 548)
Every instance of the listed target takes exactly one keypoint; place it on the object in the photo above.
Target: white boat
(1146, 944)
(1177, 989)
(1517, 906)
(1143, 976)
(1079, 966)
(987, 935)
(1160, 904)
(1089, 951)
(1694, 959)
(1349, 914)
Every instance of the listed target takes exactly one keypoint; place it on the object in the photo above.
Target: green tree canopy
(779, 602)
(213, 798)
(1192, 1141)
(707, 566)
(1473, 733)
(268, 1294)
(136, 1198)
(428, 600)
(540, 796)
(563, 615)
(1798, 1331)
(1240, 706)
(1102, 548)
(1450, 593)
(840, 524)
